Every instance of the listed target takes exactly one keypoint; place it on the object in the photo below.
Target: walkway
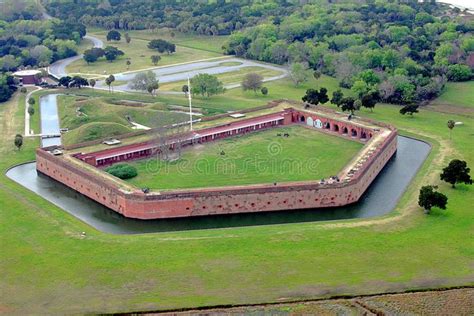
(58, 69)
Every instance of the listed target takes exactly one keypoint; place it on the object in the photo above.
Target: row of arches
(337, 127)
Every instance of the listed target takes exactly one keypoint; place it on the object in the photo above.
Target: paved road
(58, 69)
(182, 72)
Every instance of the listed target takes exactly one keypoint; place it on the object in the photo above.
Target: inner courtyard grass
(260, 157)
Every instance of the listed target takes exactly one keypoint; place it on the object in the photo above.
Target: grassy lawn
(48, 268)
(98, 111)
(234, 77)
(457, 94)
(206, 43)
(139, 55)
(262, 157)
(232, 100)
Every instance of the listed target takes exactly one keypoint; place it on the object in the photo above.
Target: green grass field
(262, 157)
(457, 94)
(139, 55)
(48, 268)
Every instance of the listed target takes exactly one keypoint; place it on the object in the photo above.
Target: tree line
(201, 17)
(405, 52)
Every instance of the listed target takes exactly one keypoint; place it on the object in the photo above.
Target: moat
(381, 198)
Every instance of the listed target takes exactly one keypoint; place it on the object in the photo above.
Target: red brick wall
(258, 198)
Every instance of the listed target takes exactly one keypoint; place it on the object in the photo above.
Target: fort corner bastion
(79, 168)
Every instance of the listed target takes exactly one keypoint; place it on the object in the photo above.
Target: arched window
(353, 133)
(302, 118)
(344, 130)
(336, 128)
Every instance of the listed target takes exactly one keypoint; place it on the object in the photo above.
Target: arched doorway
(344, 130)
(353, 133)
(309, 121)
(327, 125)
(363, 135)
(336, 128)
(302, 118)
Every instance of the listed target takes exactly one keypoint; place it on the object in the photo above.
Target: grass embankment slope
(95, 118)
(262, 157)
(47, 267)
(139, 55)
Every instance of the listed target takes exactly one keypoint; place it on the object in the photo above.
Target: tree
(78, 81)
(456, 172)
(31, 101)
(337, 97)
(206, 85)
(128, 39)
(31, 110)
(91, 55)
(185, 89)
(298, 73)
(264, 90)
(459, 72)
(92, 83)
(409, 109)
(128, 63)
(451, 124)
(143, 80)
(369, 100)
(311, 97)
(162, 46)
(18, 141)
(317, 74)
(152, 87)
(113, 36)
(64, 81)
(110, 79)
(323, 96)
(349, 104)
(429, 198)
(252, 81)
(111, 53)
(155, 59)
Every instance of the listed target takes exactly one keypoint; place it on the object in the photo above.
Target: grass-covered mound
(123, 171)
(93, 131)
(261, 157)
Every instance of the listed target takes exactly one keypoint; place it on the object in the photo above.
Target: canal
(49, 120)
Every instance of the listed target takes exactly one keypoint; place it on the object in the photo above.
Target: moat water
(49, 119)
(381, 198)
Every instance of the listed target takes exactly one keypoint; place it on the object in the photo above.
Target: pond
(381, 198)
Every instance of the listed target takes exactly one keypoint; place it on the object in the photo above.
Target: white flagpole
(190, 105)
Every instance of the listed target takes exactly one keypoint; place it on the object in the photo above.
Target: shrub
(122, 171)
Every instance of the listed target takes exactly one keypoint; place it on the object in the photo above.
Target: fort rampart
(381, 144)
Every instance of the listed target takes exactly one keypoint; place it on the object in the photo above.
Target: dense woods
(405, 52)
(202, 17)
(37, 42)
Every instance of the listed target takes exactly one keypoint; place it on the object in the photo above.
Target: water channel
(49, 120)
(381, 198)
